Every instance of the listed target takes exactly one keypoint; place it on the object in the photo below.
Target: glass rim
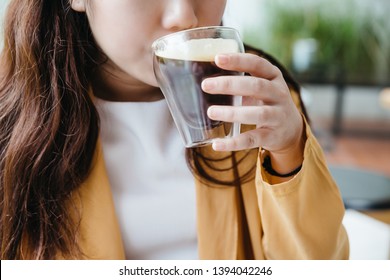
(178, 33)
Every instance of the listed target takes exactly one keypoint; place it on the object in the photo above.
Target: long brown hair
(48, 127)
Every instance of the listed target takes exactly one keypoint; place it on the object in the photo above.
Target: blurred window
(325, 40)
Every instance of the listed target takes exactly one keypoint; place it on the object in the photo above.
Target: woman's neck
(113, 85)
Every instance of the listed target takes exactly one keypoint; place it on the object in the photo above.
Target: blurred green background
(323, 40)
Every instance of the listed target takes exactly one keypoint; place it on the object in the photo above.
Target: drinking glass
(181, 61)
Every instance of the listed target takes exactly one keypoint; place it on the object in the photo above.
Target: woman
(66, 64)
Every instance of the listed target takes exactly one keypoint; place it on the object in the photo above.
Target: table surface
(364, 191)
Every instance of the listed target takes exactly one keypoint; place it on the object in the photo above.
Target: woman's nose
(179, 15)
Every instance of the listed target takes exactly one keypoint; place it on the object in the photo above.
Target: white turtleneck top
(152, 187)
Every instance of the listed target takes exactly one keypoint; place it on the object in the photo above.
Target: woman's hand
(267, 103)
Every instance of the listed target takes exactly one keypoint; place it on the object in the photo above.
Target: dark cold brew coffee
(185, 77)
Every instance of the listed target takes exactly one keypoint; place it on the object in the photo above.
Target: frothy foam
(199, 49)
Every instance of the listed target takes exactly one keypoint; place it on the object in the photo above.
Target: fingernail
(208, 85)
(214, 113)
(218, 146)
(222, 59)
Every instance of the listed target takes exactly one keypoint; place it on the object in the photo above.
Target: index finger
(250, 63)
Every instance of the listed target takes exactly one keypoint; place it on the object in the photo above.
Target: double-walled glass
(182, 61)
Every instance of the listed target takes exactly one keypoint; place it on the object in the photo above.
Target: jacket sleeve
(302, 218)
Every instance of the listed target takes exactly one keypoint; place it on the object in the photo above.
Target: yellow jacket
(298, 219)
